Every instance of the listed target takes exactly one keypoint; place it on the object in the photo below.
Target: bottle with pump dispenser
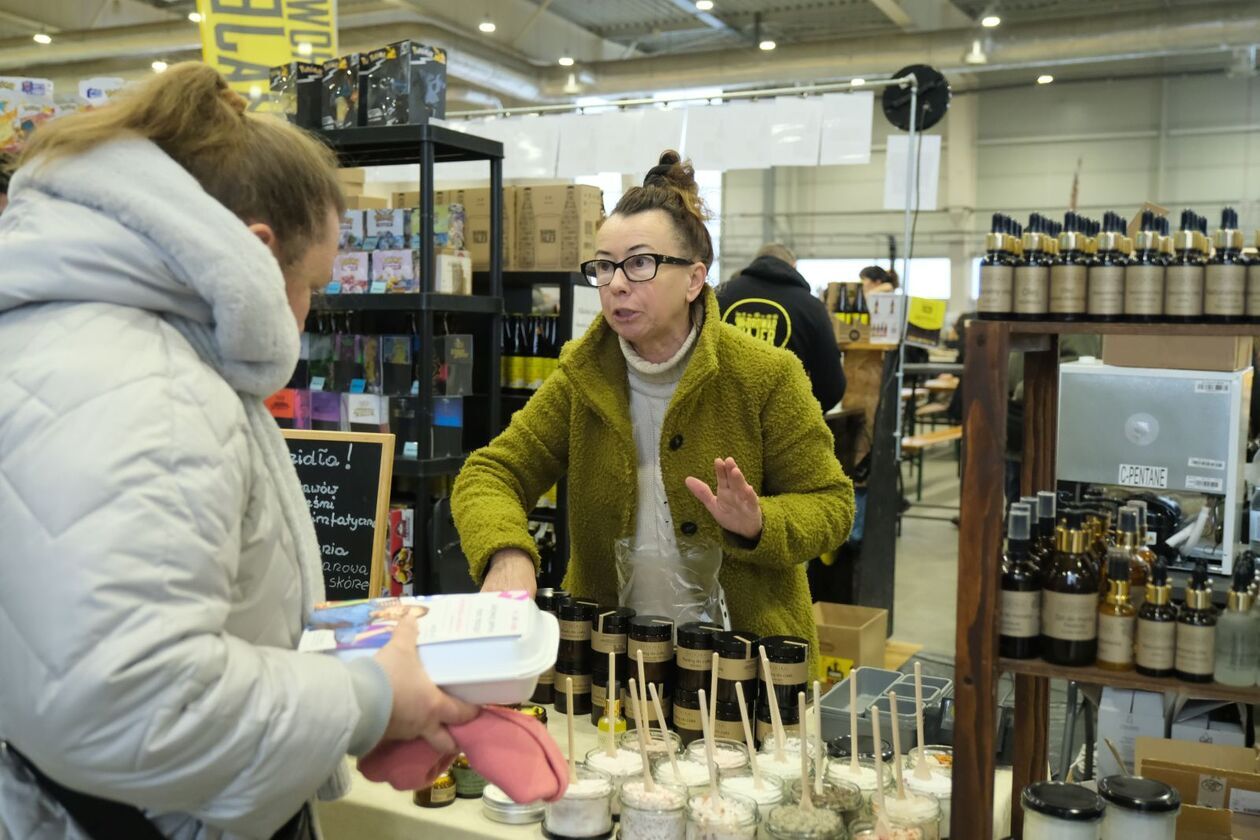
(1144, 276)
(1183, 277)
(997, 271)
(1117, 618)
(1019, 634)
(1069, 273)
(1032, 273)
(1196, 629)
(1157, 626)
(1129, 544)
(1237, 634)
(1043, 550)
(1106, 274)
(1069, 600)
(1225, 278)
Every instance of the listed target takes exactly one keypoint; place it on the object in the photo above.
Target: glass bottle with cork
(1157, 626)
(1225, 278)
(1032, 273)
(1183, 276)
(1144, 275)
(1069, 600)
(1069, 273)
(1196, 630)
(1106, 273)
(1117, 619)
(997, 271)
(1019, 634)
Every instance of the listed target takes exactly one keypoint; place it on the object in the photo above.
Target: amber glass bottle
(1069, 600)
(1020, 626)
(1157, 626)
(1117, 619)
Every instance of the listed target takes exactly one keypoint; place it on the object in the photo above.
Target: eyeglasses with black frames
(638, 268)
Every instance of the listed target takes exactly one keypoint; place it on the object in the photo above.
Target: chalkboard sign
(345, 477)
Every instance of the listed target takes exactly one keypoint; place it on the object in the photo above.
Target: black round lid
(546, 600)
(736, 644)
(575, 610)
(651, 628)
(1137, 794)
(697, 635)
(614, 621)
(839, 748)
(785, 649)
(1063, 801)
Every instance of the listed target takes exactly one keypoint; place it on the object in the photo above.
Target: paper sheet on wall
(586, 308)
(895, 171)
(845, 123)
(724, 137)
(623, 141)
(795, 126)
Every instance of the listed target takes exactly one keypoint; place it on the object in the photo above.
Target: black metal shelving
(480, 314)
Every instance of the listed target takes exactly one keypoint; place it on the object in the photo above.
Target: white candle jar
(658, 814)
(585, 812)
(1061, 811)
(1141, 808)
(721, 817)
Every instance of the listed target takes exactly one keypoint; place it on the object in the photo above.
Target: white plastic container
(484, 648)
(1138, 808)
(1061, 811)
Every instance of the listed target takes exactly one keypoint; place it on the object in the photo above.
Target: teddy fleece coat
(738, 398)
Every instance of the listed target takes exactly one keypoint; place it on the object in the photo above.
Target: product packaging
(386, 230)
(93, 93)
(25, 104)
(396, 365)
(454, 376)
(394, 272)
(555, 225)
(341, 93)
(482, 648)
(301, 377)
(365, 412)
(281, 405)
(453, 270)
(352, 231)
(404, 424)
(326, 411)
(301, 409)
(298, 88)
(475, 222)
(350, 274)
(320, 359)
(400, 574)
(372, 367)
(348, 374)
(448, 426)
(403, 84)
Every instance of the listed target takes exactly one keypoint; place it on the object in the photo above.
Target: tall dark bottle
(997, 272)
(1196, 629)
(1069, 600)
(1144, 276)
(1019, 634)
(1031, 296)
(1106, 274)
(1157, 626)
(1069, 273)
(1183, 276)
(1253, 285)
(1043, 551)
(1225, 279)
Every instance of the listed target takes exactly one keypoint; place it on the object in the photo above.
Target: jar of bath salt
(938, 756)
(658, 742)
(585, 811)
(865, 778)
(693, 775)
(742, 783)
(619, 766)
(940, 784)
(795, 822)
(789, 768)
(727, 754)
(916, 813)
(658, 814)
(841, 798)
(1061, 811)
(862, 830)
(721, 817)
(1141, 808)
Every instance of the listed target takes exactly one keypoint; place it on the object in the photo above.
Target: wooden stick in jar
(568, 690)
(775, 718)
(642, 695)
(921, 769)
(648, 784)
(807, 802)
(708, 747)
(896, 739)
(610, 708)
(713, 680)
(818, 751)
(881, 823)
(660, 715)
(853, 727)
(748, 735)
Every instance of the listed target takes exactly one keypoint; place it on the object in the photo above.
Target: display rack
(977, 665)
(480, 314)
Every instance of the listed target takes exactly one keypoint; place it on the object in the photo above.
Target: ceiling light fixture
(304, 48)
(42, 38)
(487, 26)
(195, 17)
(857, 82)
(976, 55)
(566, 61)
(767, 45)
(159, 66)
(990, 21)
(704, 5)
(1045, 79)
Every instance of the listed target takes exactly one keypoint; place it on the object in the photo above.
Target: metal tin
(499, 807)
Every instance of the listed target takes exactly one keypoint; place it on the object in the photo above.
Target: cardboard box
(1207, 775)
(1179, 352)
(366, 202)
(847, 333)
(476, 203)
(849, 636)
(555, 226)
(1202, 721)
(1124, 716)
(352, 175)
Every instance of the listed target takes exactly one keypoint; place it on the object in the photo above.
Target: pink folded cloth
(511, 750)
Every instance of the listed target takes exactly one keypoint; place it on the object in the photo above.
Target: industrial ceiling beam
(25, 22)
(893, 11)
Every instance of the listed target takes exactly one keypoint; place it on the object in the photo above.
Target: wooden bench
(916, 445)
(931, 414)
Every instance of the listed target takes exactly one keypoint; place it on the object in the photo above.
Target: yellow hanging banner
(244, 39)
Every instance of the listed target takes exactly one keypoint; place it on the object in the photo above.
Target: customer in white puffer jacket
(157, 559)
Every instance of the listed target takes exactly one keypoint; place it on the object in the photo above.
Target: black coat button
(676, 442)
(689, 528)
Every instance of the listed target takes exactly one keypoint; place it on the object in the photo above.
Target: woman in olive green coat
(657, 393)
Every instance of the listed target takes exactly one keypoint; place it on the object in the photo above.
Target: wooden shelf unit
(980, 539)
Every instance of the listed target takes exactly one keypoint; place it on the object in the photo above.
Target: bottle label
(1253, 289)
(1069, 287)
(607, 643)
(1115, 638)
(441, 794)
(688, 719)
(581, 683)
(1032, 289)
(535, 372)
(652, 651)
(1144, 292)
(631, 707)
(732, 730)
(996, 284)
(1183, 291)
(1021, 614)
(737, 670)
(548, 677)
(1070, 618)
(1196, 649)
(788, 673)
(517, 378)
(1224, 293)
(575, 631)
(1157, 644)
(694, 660)
(1106, 290)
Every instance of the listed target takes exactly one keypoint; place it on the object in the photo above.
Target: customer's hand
(511, 570)
(735, 505)
(421, 709)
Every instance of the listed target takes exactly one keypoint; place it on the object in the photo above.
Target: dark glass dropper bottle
(1225, 279)
(1196, 629)
(1069, 621)
(1019, 636)
(1144, 275)
(1106, 273)
(1157, 625)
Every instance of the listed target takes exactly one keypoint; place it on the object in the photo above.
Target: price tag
(317, 383)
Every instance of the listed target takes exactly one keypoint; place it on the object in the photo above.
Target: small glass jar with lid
(499, 807)
(621, 765)
(916, 813)
(768, 794)
(796, 822)
(727, 754)
(840, 797)
(657, 814)
(721, 817)
(1138, 808)
(584, 812)
(1061, 811)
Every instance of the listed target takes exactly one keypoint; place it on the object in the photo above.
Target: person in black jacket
(772, 301)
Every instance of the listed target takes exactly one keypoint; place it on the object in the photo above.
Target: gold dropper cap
(1158, 595)
(1228, 240)
(1239, 601)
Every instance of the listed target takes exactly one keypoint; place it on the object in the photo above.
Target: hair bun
(679, 175)
(669, 157)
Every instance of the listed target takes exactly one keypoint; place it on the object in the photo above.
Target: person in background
(876, 280)
(770, 300)
(159, 558)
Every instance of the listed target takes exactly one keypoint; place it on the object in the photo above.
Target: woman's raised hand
(735, 505)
